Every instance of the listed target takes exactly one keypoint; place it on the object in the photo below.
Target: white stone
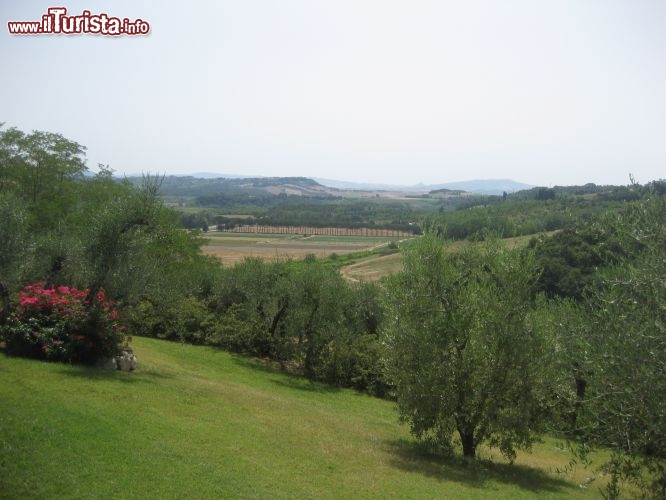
(126, 361)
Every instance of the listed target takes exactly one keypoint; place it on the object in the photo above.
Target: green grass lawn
(196, 422)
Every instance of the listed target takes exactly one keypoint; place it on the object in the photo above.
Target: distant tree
(544, 193)
(104, 171)
(659, 187)
(459, 350)
(570, 258)
(40, 161)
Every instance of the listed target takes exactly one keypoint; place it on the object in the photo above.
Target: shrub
(63, 324)
(185, 319)
(355, 362)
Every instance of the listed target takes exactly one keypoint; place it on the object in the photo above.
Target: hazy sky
(544, 92)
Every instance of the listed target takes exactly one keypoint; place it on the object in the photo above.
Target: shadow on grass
(256, 364)
(282, 377)
(301, 384)
(95, 373)
(411, 456)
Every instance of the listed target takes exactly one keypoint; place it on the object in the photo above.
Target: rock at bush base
(126, 361)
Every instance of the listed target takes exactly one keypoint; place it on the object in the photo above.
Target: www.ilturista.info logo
(56, 22)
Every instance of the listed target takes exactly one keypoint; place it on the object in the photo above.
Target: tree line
(529, 211)
(309, 230)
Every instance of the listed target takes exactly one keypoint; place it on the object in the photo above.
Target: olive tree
(608, 383)
(459, 349)
(625, 403)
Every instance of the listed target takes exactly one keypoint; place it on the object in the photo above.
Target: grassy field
(231, 248)
(373, 268)
(195, 422)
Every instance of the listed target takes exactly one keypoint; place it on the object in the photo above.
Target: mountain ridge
(478, 186)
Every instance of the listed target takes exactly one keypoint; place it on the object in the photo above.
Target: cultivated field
(231, 248)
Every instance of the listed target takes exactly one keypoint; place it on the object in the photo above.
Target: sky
(546, 92)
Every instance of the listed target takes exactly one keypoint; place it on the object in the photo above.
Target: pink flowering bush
(63, 324)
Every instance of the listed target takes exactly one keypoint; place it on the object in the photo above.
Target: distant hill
(213, 175)
(445, 193)
(191, 186)
(204, 183)
(487, 186)
(180, 186)
(367, 186)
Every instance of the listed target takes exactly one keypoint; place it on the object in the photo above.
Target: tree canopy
(459, 349)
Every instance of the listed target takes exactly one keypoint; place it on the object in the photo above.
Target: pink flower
(28, 301)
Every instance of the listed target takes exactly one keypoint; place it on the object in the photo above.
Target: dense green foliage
(607, 329)
(460, 351)
(517, 217)
(285, 210)
(570, 258)
(614, 349)
(344, 213)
